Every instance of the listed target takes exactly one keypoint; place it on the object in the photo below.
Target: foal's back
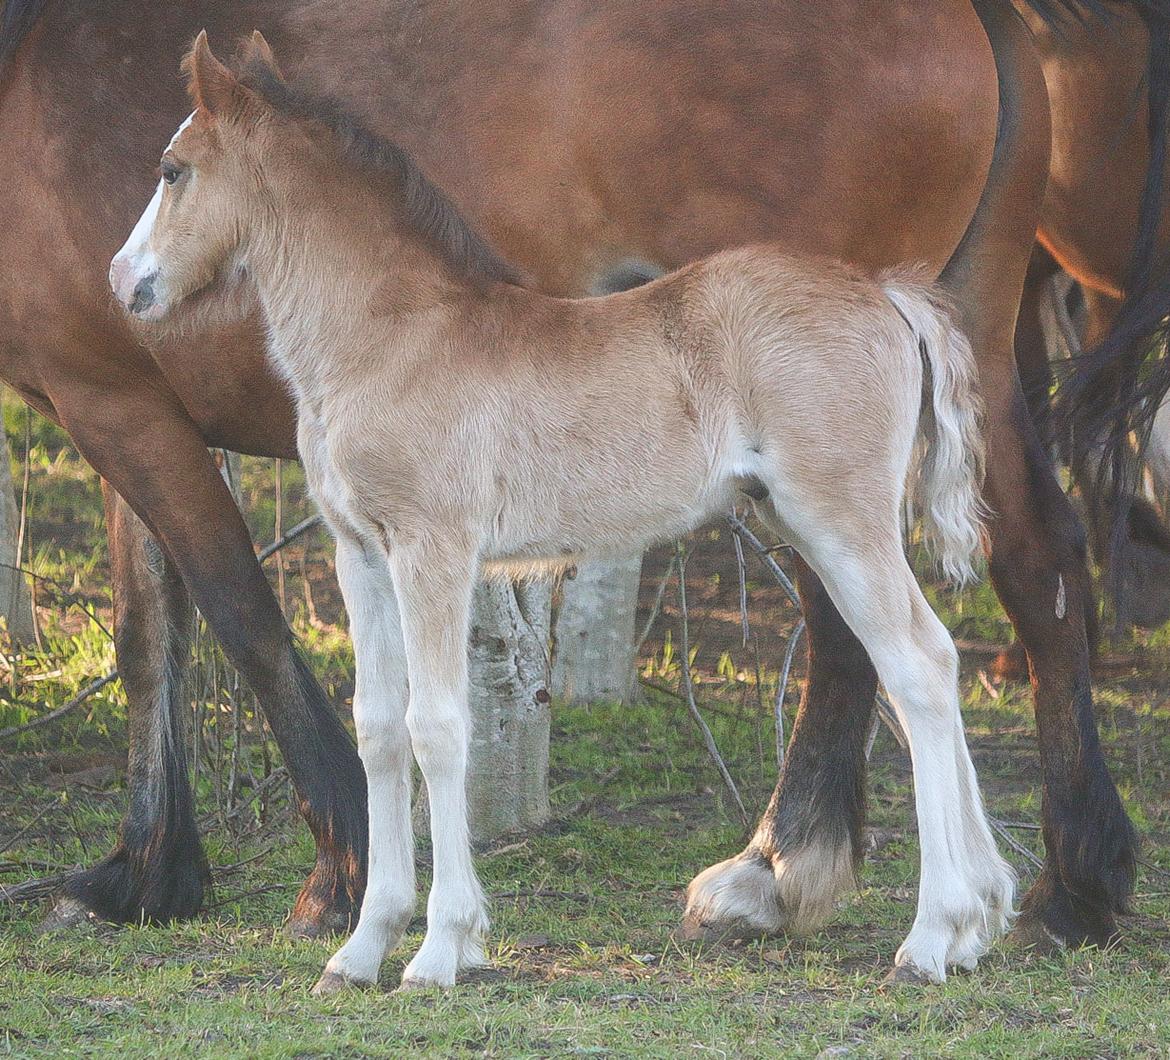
(549, 427)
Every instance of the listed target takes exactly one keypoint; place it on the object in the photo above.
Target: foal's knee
(439, 732)
(382, 737)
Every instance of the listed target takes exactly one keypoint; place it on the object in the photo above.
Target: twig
(741, 567)
(741, 530)
(250, 894)
(61, 711)
(874, 726)
(28, 827)
(692, 706)
(886, 712)
(782, 689)
(1014, 843)
(33, 890)
(1153, 868)
(301, 527)
(541, 892)
(267, 784)
(656, 607)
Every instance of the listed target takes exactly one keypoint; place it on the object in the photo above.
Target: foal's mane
(421, 204)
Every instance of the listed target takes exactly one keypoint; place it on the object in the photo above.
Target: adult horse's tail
(950, 468)
(16, 19)
(1111, 394)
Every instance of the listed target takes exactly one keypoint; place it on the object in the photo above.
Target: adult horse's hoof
(736, 899)
(324, 924)
(68, 913)
(325, 906)
(332, 983)
(1052, 920)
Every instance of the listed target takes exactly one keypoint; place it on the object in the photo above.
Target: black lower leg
(820, 796)
(158, 870)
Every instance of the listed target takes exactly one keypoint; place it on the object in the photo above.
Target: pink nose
(123, 279)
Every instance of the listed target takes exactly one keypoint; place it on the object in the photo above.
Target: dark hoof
(327, 922)
(1051, 919)
(67, 915)
(906, 975)
(332, 983)
(1031, 933)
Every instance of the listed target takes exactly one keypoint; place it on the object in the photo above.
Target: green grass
(583, 912)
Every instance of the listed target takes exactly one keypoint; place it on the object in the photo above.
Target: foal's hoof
(66, 915)
(413, 985)
(907, 975)
(332, 983)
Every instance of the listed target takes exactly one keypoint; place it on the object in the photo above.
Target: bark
(595, 632)
(507, 782)
(507, 775)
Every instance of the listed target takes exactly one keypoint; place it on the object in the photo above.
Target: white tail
(950, 467)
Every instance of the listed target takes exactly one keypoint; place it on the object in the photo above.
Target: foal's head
(211, 182)
(248, 133)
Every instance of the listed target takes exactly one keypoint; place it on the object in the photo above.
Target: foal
(450, 421)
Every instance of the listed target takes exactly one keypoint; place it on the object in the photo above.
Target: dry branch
(688, 685)
(61, 711)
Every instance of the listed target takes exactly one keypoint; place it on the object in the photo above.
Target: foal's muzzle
(135, 292)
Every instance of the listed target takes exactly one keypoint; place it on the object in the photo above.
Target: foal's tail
(950, 460)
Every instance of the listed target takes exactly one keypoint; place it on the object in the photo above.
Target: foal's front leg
(379, 711)
(435, 586)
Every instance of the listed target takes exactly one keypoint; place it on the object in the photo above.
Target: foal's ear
(212, 86)
(257, 50)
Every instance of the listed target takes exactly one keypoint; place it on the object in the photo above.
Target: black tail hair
(17, 17)
(1109, 395)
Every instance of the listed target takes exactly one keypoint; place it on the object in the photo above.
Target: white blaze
(134, 252)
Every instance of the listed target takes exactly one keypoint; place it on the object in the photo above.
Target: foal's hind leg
(379, 712)
(434, 592)
(805, 852)
(965, 893)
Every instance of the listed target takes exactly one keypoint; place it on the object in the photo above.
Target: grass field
(585, 964)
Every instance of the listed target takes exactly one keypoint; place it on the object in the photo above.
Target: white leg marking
(435, 598)
(379, 709)
(966, 889)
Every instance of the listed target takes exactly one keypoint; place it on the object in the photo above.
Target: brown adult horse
(919, 132)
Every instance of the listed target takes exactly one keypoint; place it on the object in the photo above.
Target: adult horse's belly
(583, 137)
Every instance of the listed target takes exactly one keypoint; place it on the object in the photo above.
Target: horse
(920, 131)
(451, 421)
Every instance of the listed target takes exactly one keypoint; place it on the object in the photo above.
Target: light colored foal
(452, 422)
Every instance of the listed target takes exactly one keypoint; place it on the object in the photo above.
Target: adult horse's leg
(152, 454)
(158, 870)
(808, 845)
(1037, 555)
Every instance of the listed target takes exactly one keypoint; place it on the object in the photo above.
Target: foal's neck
(343, 280)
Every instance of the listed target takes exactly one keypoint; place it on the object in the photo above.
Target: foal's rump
(849, 392)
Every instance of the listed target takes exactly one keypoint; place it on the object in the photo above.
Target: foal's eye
(170, 172)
